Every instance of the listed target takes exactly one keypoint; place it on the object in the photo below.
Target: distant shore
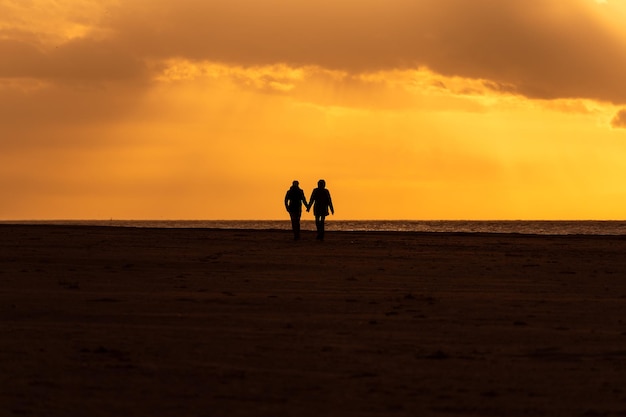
(113, 321)
(538, 227)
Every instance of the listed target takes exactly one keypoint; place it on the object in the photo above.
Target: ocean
(546, 227)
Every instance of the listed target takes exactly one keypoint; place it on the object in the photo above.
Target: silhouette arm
(304, 201)
(330, 204)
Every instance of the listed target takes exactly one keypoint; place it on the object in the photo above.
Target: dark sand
(157, 322)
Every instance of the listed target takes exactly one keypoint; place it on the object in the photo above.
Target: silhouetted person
(321, 202)
(293, 203)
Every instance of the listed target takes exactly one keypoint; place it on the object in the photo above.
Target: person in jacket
(293, 203)
(321, 202)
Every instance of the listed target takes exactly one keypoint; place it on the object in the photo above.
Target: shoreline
(527, 227)
(111, 321)
(309, 231)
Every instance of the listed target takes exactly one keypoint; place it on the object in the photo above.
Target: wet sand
(102, 321)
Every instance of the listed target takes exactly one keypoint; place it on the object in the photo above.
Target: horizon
(329, 219)
(191, 109)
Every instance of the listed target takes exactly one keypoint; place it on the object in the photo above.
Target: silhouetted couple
(320, 201)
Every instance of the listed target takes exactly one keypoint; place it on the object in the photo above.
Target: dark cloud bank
(544, 48)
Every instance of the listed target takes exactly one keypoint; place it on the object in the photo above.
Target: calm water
(525, 227)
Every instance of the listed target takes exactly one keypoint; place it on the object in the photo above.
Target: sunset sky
(409, 109)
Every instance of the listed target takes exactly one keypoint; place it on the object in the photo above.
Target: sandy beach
(104, 321)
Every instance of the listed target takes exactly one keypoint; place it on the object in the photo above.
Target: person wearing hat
(293, 203)
(321, 202)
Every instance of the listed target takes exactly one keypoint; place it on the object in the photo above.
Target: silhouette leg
(295, 225)
(317, 226)
(319, 223)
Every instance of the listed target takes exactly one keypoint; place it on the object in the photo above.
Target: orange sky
(409, 109)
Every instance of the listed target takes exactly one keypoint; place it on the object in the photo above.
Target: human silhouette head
(321, 184)
(295, 183)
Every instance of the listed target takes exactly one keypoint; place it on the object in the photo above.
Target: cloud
(619, 120)
(77, 60)
(546, 49)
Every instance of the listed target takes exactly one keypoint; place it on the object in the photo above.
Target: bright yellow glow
(98, 122)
